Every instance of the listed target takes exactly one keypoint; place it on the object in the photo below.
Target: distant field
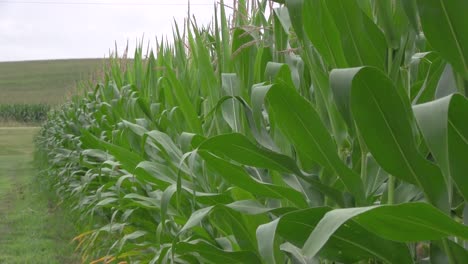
(48, 81)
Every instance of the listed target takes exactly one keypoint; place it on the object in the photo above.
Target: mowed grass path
(32, 229)
(47, 81)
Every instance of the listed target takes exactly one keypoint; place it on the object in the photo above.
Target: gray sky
(54, 29)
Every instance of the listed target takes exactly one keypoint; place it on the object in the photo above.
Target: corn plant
(23, 113)
(326, 132)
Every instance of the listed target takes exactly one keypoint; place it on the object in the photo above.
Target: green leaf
(323, 32)
(340, 84)
(295, 8)
(411, 11)
(165, 144)
(156, 172)
(414, 222)
(107, 202)
(213, 254)
(258, 94)
(295, 254)
(444, 127)
(444, 24)
(385, 122)
(348, 244)
(185, 104)
(238, 148)
(393, 21)
(361, 48)
(429, 67)
(280, 34)
(458, 142)
(458, 254)
(232, 213)
(300, 123)
(447, 84)
(128, 159)
(376, 176)
(244, 52)
(231, 110)
(237, 176)
(279, 73)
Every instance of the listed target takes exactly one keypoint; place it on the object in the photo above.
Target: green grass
(48, 81)
(32, 229)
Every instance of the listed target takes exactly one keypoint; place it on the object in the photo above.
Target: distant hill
(48, 81)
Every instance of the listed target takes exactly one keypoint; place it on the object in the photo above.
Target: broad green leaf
(237, 176)
(393, 21)
(138, 130)
(127, 158)
(225, 37)
(283, 16)
(279, 73)
(322, 31)
(432, 119)
(415, 221)
(133, 163)
(165, 144)
(213, 254)
(214, 198)
(362, 40)
(348, 244)
(447, 84)
(140, 201)
(232, 213)
(231, 110)
(238, 148)
(300, 123)
(429, 67)
(385, 122)
(107, 202)
(96, 155)
(264, 55)
(297, 66)
(411, 11)
(443, 125)
(266, 240)
(258, 94)
(340, 84)
(188, 141)
(376, 176)
(444, 24)
(438, 253)
(206, 75)
(145, 107)
(166, 200)
(295, 254)
(295, 8)
(458, 142)
(160, 174)
(404, 192)
(132, 237)
(186, 106)
(280, 36)
(244, 52)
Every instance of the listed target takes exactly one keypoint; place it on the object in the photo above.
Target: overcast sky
(55, 29)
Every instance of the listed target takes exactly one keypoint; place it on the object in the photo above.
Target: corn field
(23, 113)
(318, 131)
